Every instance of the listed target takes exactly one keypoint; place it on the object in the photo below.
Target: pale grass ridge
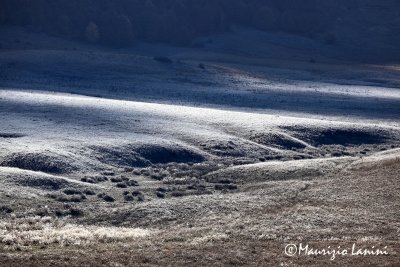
(42, 231)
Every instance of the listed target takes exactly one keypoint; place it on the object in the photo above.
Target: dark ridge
(39, 162)
(43, 183)
(124, 156)
(11, 135)
(160, 154)
(361, 26)
(343, 137)
(278, 140)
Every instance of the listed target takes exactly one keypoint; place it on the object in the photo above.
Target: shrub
(66, 198)
(160, 195)
(122, 185)
(109, 173)
(132, 183)
(225, 187)
(128, 198)
(5, 209)
(136, 193)
(92, 33)
(177, 194)
(162, 189)
(108, 198)
(163, 59)
(88, 180)
(89, 192)
(225, 181)
(72, 192)
(75, 212)
(116, 180)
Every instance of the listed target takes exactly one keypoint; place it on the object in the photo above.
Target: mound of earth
(172, 153)
(144, 155)
(119, 156)
(279, 140)
(43, 162)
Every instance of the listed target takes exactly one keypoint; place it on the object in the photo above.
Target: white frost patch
(151, 111)
(46, 231)
(209, 239)
(382, 158)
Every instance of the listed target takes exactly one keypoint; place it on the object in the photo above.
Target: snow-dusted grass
(289, 147)
(38, 231)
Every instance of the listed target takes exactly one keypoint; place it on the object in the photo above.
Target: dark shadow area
(364, 30)
(157, 154)
(348, 137)
(344, 137)
(11, 135)
(43, 183)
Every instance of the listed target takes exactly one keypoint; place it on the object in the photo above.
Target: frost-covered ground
(224, 155)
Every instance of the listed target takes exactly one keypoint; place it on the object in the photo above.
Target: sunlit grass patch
(42, 231)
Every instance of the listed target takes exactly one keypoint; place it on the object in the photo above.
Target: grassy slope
(320, 109)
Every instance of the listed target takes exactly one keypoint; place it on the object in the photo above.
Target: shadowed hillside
(370, 26)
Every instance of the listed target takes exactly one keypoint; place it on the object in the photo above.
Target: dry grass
(42, 231)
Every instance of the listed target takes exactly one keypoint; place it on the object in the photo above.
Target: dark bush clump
(136, 193)
(177, 194)
(122, 185)
(68, 198)
(225, 187)
(75, 212)
(108, 173)
(132, 183)
(163, 59)
(89, 192)
(87, 180)
(72, 192)
(160, 195)
(116, 180)
(129, 198)
(162, 189)
(108, 198)
(140, 198)
(5, 209)
(225, 181)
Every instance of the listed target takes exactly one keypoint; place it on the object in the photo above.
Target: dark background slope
(360, 29)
